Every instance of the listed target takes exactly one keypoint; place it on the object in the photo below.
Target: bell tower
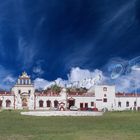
(24, 92)
(24, 79)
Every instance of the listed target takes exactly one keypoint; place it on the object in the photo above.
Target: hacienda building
(24, 96)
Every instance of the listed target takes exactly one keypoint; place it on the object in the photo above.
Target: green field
(111, 126)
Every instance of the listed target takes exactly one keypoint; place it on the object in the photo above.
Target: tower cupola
(24, 79)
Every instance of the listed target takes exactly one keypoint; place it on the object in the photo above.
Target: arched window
(19, 91)
(0, 103)
(135, 103)
(8, 103)
(40, 103)
(119, 104)
(24, 82)
(48, 103)
(28, 82)
(55, 104)
(127, 104)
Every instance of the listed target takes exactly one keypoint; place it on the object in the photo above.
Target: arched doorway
(8, 103)
(41, 103)
(48, 103)
(0, 103)
(55, 104)
(24, 102)
(71, 102)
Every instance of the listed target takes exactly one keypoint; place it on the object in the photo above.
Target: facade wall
(22, 91)
(90, 101)
(5, 104)
(104, 97)
(62, 98)
(45, 99)
(126, 103)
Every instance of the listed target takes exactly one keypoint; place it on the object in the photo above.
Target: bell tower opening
(24, 79)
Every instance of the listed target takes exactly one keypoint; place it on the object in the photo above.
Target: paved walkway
(62, 113)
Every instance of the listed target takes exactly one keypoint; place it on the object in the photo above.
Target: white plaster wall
(111, 104)
(31, 101)
(83, 100)
(4, 98)
(123, 101)
(24, 89)
(110, 95)
(61, 98)
(45, 98)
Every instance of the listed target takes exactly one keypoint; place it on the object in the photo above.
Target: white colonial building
(24, 96)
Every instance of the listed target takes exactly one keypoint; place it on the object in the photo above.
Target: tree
(55, 88)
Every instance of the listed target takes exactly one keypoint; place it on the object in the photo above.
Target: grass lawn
(111, 126)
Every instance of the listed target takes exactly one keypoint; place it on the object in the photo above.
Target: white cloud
(60, 82)
(43, 84)
(128, 83)
(80, 78)
(85, 78)
(40, 83)
(38, 70)
(77, 77)
(6, 78)
(9, 79)
(78, 74)
(125, 74)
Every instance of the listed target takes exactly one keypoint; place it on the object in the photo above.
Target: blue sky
(49, 38)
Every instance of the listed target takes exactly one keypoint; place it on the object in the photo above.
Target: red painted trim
(48, 95)
(126, 96)
(81, 95)
(6, 94)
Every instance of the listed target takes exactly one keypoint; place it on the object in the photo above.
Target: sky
(53, 39)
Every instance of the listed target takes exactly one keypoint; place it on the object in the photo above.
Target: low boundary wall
(62, 113)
